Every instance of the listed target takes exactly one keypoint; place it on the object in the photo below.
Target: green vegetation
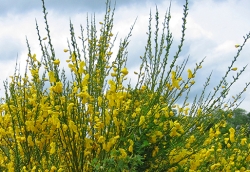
(95, 122)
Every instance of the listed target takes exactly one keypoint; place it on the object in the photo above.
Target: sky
(213, 29)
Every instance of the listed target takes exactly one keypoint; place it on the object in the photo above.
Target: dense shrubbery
(93, 122)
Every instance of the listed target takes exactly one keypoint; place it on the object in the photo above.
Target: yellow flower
(174, 132)
(155, 151)
(58, 88)
(243, 141)
(112, 85)
(130, 149)
(123, 153)
(52, 148)
(190, 74)
(234, 69)
(186, 110)
(25, 169)
(99, 101)
(57, 62)
(226, 140)
(30, 141)
(81, 69)
(191, 139)
(199, 111)
(153, 139)
(70, 106)
(64, 127)
(101, 139)
(173, 75)
(65, 50)
(32, 57)
(175, 83)
(33, 169)
(109, 53)
(237, 46)
(159, 134)
(142, 120)
(10, 167)
(73, 57)
(124, 71)
(138, 110)
(214, 166)
(72, 126)
(192, 82)
(53, 168)
(231, 137)
(51, 77)
(113, 74)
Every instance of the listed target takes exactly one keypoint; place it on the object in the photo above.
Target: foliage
(93, 122)
(239, 117)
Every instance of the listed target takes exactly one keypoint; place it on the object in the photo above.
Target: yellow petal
(237, 46)
(113, 74)
(124, 71)
(57, 62)
(234, 69)
(190, 74)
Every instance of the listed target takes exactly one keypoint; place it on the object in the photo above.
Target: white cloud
(213, 28)
(217, 27)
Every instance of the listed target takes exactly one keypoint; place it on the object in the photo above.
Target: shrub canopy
(95, 122)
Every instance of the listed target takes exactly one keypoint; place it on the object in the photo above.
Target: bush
(93, 122)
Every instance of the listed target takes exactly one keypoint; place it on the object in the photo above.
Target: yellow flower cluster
(47, 129)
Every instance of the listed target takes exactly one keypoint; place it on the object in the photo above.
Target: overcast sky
(213, 29)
